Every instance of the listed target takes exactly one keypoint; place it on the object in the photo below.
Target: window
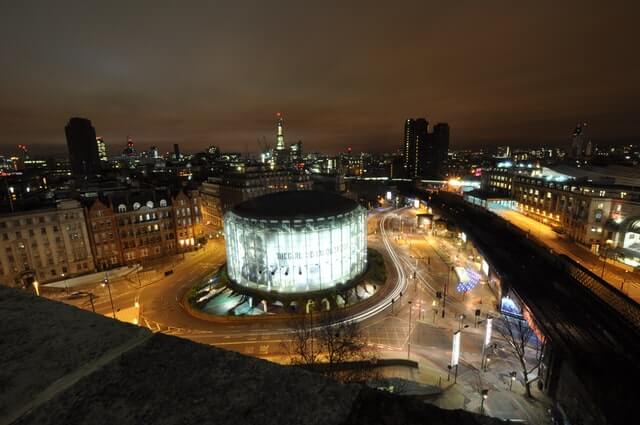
(136, 205)
(163, 202)
(150, 204)
(122, 208)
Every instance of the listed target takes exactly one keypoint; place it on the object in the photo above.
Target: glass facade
(296, 255)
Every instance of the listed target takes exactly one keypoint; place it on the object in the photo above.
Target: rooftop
(295, 204)
(63, 365)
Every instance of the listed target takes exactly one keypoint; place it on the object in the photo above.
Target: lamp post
(66, 284)
(485, 394)
(624, 281)
(105, 282)
(409, 336)
(446, 286)
(608, 243)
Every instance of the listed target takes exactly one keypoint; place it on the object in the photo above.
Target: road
(385, 325)
(617, 275)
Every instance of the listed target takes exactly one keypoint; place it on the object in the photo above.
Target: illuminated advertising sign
(509, 306)
(487, 332)
(455, 351)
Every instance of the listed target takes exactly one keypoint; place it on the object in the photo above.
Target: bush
(377, 271)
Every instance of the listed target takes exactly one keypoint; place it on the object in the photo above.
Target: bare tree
(518, 334)
(301, 349)
(333, 346)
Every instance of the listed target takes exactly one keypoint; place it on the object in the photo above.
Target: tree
(518, 335)
(301, 348)
(332, 345)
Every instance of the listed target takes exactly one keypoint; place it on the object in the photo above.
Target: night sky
(200, 73)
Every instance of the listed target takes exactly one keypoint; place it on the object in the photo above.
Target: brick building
(132, 226)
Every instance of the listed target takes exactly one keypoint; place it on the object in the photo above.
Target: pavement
(618, 275)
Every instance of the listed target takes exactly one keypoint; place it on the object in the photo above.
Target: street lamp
(36, 286)
(409, 336)
(105, 282)
(66, 284)
(513, 378)
(446, 286)
(434, 304)
(485, 394)
(608, 243)
(626, 272)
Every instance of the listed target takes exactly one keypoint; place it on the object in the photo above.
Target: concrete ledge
(62, 365)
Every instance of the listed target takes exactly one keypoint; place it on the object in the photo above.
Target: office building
(102, 149)
(415, 135)
(434, 153)
(83, 149)
(44, 244)
(425, 154)
(581, 147)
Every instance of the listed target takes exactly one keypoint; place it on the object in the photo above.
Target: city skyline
(355, 74)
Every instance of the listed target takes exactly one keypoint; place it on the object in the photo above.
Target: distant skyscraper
(424, 154)
(580, 143)
(102, 149)
(435, 153)
(280, 154)
(296, 152)
(503, 152)
(82, 146)
(130, 150)
(280, 133)
(213, 152)
(153, 152)
(415, 135)
(176, 151)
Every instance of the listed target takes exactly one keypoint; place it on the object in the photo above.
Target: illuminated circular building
(296, 241)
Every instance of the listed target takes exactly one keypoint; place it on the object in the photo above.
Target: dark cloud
(343, 73)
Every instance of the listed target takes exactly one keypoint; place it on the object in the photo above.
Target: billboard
(487, 332)
(455, 350)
